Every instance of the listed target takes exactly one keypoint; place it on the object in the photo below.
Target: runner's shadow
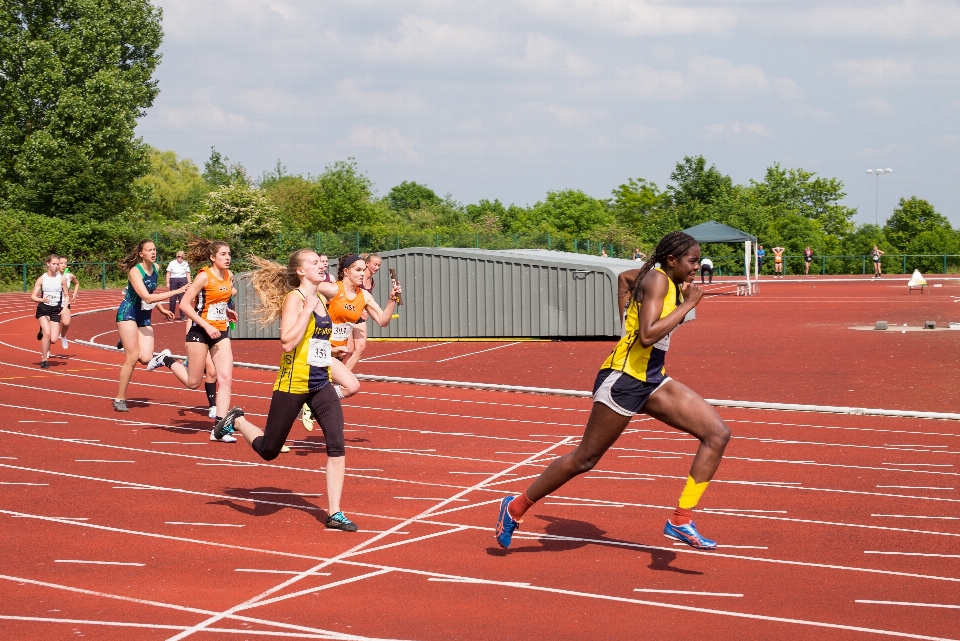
(269, 500)
(319, 445)
(186, 425)
(580, 534)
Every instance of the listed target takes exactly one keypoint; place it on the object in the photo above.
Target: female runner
(133, 316)
(65, 312)
(50, 293)
(632, 380)
(294, 293)
(206, 306)
(346, 307)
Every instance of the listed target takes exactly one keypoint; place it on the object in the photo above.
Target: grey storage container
(479, 293)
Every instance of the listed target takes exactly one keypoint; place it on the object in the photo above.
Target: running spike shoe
(120, 406)
(157, 360)
(339, 521)
(306, 417)
(506, 524)
(63, 342)
(226, 438)
(44, 365)
(284, 449)
(224, 426)
(212, 412)
(120, 345)
(688, 534)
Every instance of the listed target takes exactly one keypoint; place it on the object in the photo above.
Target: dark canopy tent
(714, 232)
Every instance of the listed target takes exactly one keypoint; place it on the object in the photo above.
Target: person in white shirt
(706, 267)
(178, 275)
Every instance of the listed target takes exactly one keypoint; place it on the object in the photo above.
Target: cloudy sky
(511, 99)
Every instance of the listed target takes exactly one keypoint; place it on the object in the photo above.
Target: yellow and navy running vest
(307, 367)
(629, 356)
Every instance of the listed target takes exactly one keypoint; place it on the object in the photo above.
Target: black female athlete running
(632, 380)
(133, 316)
(308, 363)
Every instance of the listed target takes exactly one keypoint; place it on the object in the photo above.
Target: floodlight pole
(876, 196)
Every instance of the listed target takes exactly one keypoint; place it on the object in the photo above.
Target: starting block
(744, 290)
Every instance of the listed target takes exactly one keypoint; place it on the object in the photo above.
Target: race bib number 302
(341, 331)
(318, 353)
(217, 312)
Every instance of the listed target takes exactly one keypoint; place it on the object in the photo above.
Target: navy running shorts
(623, 393)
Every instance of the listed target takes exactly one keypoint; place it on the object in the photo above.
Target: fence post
(944, 263)
(476, 241)
(864, 265)
(904, 264)
(103, 274)
(823, 264)
(588, 245)
(514, 240)
(436, 239)
(548, 241)
(24, 277)
(575, 248)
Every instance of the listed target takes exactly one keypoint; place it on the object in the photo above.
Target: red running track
(137, 526)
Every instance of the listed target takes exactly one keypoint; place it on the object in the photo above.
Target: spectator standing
(807, 259)
(639, 255)
(778, 261)
(325, 276)
(178, 277)
(760, 254)
(706, 267)
(877, 267)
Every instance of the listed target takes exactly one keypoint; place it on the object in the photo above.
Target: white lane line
(139, 565)
(620, 478)
(9, 458)
(904, 445)
(908, 516)
(939, 556)
(404, 351)
(914, 487)
(516, 584)
(98, 460)
(517, 453)
(12, 483)
(434, 535)
(364, 469)
(584, 504)
(919, 464)
(277, 571)
(228, 464)
(639, 456)
(134, 487)
(61, 518)
(115, 624)
(480, 473)
(203, 524)
(422, 498)
(918, 605)
(734, 509)
(686, 592)
(283, 493)
(733, 547)
(327, 586)
(444, 360)
(175, 443)
(47, 422)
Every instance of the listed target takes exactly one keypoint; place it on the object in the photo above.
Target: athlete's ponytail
(675, 244)
(199, 250)
(272, 282)
(133, 257)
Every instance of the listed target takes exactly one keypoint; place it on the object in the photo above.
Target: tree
(75, 76)
(172, 188)
(343, 198)
(697, 183)
(411, 195)
(573, 212)
(910, 218)
(635, 203)
(219, 171)
(243, 209)
(295, 198)
(795, 191)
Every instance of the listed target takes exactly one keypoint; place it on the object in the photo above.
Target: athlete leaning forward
(308, 368)
(347, 307)
(206, 304)
(133, 316)
(49, 293)
(633, 380)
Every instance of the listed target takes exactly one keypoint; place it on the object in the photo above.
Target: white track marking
(920, 464)
(444, 360)
(620, 478)
(335, 584)
(284, 493)
(46, 422)
(732, 547)
(583, 504)
(203, 524)
(58, 518)
(181, 608)
(139, 565)
(413, 540)
(421, 498)
(11, 483)
(940, 556)
(918, 605)
(177, 443)
(908, 516)
(734, 509)
(686, 592)
(914, 487)
(276, 571)
(404, 351)
(100, 460)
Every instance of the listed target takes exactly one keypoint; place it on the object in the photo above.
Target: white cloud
(200, 110)
(640, 133)
(872, 71)
(737, 128)
(569, 116)
(352, 95)
(637, 17)
(787, 88)
(272, 101)
(428, 40)
(875, 105)
(947, 140)
(901, 19)
(748, 77)
(387, 140)
(648, 82)
(871, 153)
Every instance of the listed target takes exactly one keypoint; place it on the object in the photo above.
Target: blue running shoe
(505, 523)
(688, 534)
(225, 425)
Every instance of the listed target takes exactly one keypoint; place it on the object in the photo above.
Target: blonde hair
(272, 282)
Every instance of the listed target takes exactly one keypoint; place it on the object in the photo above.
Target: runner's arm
(653, 289)
(35, 295)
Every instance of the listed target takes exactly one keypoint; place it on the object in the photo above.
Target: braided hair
(675, 244)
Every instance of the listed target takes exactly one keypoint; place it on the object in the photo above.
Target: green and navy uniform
(133, 308)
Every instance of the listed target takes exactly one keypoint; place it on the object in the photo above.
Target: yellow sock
(692, 491)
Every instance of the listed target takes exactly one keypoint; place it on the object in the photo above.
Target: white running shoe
(157, 360)
(306, 417)
(227, 438)
(213, 412)
(63, 342)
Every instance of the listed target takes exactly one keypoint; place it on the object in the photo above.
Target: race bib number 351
(318, 353)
